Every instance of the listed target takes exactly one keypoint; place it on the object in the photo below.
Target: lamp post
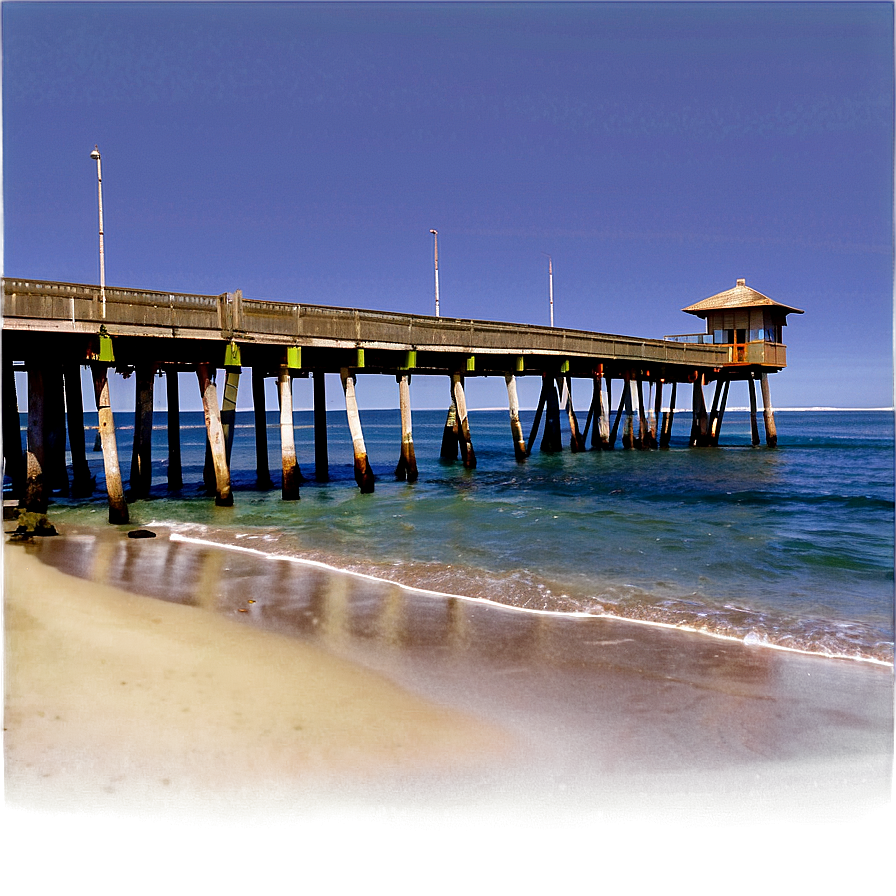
(99, 180)
(550, 285)
(435, 236)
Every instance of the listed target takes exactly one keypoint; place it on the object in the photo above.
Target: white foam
(568, 614)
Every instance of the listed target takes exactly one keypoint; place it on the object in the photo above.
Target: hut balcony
(743, 347)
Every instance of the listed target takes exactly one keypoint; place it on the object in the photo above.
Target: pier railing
(71, 307)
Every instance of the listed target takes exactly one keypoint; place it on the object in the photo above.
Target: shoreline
(515, 730)
(564, 713)
(569, 614)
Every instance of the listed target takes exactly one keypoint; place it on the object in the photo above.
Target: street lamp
(550, 284)
(99, 180)
(435, 236)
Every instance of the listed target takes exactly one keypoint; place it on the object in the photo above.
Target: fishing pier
(51, 330)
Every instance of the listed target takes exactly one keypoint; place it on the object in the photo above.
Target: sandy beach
(152, 684)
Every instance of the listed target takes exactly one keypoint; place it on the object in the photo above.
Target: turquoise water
(791, 547)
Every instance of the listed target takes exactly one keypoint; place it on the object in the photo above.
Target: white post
(99, 181)
(435, 235)
(551, 286)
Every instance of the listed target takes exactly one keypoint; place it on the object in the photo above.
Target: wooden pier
(51, 329)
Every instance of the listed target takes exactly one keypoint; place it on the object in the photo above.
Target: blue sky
(303, 151)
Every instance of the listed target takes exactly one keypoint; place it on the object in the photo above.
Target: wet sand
(344, 735)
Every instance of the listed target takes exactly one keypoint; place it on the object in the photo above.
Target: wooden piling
(754, 426)
(407, 460)
(628, 438)
(668, 417)
(321, 457)
(464, 440)
(291, 472)
(516, 428)
(552, 440)
(13, 455)
(716, 429)
(642, 439)
(215, 432)
(35, 485)
(83, 483)
(533, 433)
(699, 423)
(768, 413)
(363, 473)
(262, 466)
(118, 508)
(611, 444)
(54, 468)
(141, 451)
(576, 442)
(450, 435)
(657, 388)
(228, 409)
(175, 467)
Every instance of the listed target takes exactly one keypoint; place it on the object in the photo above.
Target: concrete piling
(13, 455)
(754, 426)
(36, 496)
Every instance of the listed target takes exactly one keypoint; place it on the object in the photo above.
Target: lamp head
(436, 232)
(95, 154)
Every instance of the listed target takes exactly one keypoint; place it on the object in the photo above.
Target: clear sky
(304, 151)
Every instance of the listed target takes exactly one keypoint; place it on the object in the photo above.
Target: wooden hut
(748, 323)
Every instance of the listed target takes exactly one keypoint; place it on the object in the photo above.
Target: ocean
(789, 548)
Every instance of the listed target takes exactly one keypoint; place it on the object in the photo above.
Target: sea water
(791, 547)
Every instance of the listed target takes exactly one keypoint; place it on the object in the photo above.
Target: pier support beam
(465, 442)
(552, 440)
(407, 461)
(533, 433)
(228, 409)
(291, 473)
(642, 439)
(363, 473)
(141, 453)
(654, 420)
(668, 417)
(12, 432)
(215, 432)
(516, 428)
(83, 483)
(55, 472)
(768, 412)
(611, 444)
(719, 404)
(450, 435)
(262, 467)
(576, 442)
(628, 427)
(754, 426)
(35, 485)
(321, 458)
(699, 423)
(172, 394)
(118, 508)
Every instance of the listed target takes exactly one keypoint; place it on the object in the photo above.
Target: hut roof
(739, 297)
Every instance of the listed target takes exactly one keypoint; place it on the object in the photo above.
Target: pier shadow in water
(595, 703)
